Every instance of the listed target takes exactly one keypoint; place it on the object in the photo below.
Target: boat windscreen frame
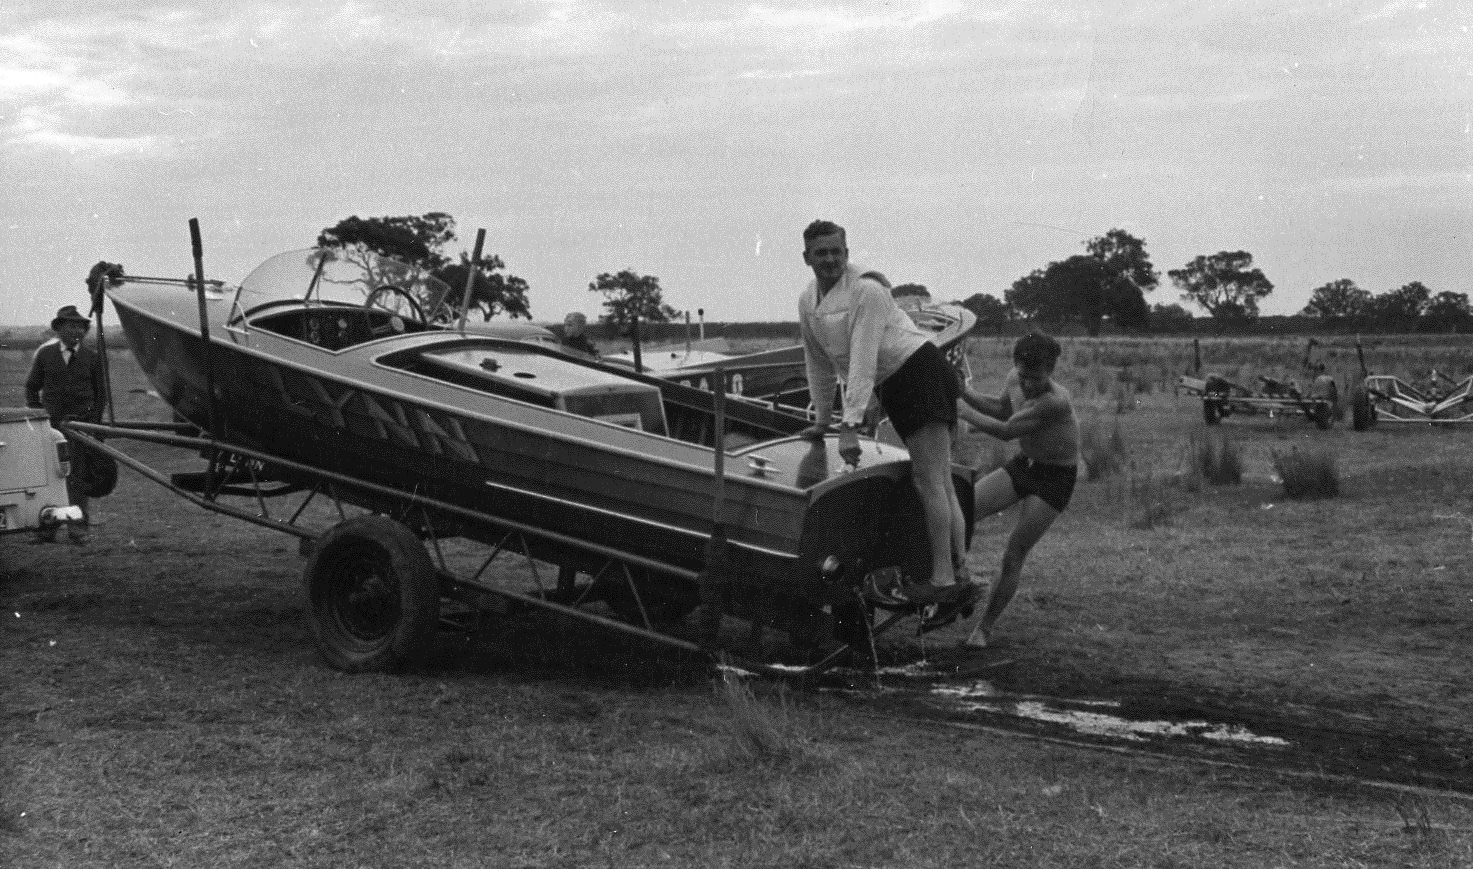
(374, 272)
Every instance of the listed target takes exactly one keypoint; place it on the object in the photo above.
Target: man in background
(575, 338)
(66, 380)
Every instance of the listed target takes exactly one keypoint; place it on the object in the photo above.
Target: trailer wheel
(1211, 412)
(100, 471)
(373, 595)
(1322, 415)
(1362, 412)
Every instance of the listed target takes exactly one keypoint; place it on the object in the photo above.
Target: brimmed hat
(69, 312)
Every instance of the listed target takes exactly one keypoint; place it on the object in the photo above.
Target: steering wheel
(395, 300)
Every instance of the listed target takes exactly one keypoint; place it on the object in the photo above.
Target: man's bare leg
(930, 458)
(1033, 521)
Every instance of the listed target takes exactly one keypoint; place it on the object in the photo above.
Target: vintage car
(34, 462)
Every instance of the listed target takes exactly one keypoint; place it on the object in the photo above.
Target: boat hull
(610, 487)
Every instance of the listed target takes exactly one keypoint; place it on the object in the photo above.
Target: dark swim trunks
(1053, 483)
(923, 390)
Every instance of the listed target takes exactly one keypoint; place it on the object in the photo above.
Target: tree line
(1109, 282)
(1106, 286)
(1410, 308)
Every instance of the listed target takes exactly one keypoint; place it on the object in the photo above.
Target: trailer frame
(1222, 397)
(241, 482)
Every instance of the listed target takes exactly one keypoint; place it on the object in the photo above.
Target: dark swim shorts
(1053, 483)
(923, 390)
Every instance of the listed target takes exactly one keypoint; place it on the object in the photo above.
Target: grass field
(162, 705)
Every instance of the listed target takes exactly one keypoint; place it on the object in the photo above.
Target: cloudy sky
(963, 144)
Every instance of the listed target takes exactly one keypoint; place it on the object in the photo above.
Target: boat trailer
(1385, 398)
(383, 582)
(1222, 397)
(1440, 400)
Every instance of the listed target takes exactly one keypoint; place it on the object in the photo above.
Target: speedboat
(321, 367)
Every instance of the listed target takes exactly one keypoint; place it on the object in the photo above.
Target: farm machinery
(1439, 400)
(1222, 397)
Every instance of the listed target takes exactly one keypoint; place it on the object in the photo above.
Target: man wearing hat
(66, 379)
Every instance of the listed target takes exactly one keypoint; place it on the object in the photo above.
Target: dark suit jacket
(76, 390)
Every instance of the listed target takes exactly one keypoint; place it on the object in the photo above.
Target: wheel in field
(1211, 412)
(1322, 415)
(373, 596)
(1362, 412)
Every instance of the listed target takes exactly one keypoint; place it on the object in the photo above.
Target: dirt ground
(1337, 623)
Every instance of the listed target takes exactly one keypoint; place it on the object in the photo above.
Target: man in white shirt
(854, 331)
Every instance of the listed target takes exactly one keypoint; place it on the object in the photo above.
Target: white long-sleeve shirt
(856, 333)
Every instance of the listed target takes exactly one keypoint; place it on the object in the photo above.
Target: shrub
(1152, 501)
(1214, 458)
(1311, 473)
(1103, 454)
(1125, 400)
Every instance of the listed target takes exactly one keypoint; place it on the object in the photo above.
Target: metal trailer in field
(1385, 398)
(1440, 400)
(1222, 397)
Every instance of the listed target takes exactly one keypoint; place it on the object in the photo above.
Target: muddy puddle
(1240, 731)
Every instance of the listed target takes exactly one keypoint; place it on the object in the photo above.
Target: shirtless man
(1037, 412)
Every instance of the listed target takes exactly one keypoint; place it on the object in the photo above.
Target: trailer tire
(1322, 415)
(1362, 412)
(373, 596)
(1211, 412)
(101, 472)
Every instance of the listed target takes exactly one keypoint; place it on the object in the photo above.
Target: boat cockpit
(335, 326)
(338, 297)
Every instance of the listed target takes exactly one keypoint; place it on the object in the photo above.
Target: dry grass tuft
(758, 731)
(1103, 454)
(1310, 473)
(1213, 458)
(1152, 500)
(1124, 396)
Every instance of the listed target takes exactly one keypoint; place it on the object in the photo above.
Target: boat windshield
(352, 276)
